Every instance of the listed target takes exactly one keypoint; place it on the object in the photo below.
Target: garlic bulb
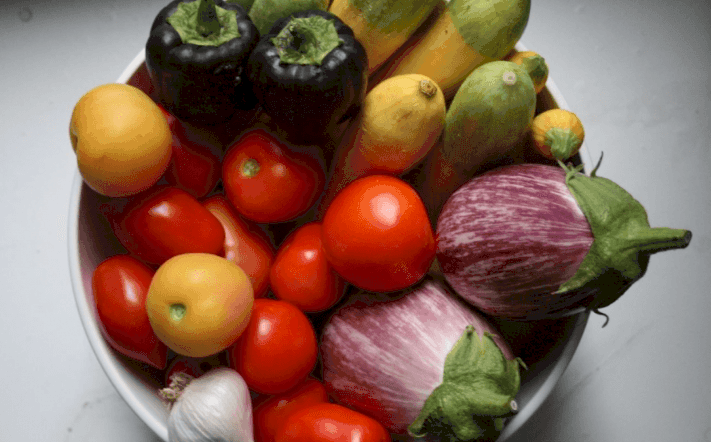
(215, 407)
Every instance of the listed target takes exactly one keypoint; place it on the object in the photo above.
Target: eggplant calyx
(203, 23)
(306, 40)
(477, 392)
(622, 236)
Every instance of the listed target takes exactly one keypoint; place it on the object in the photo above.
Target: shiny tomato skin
(301, 273)
(271, 413)
(193, 168)
(328, 422)
(169, 118)
(246, 243)
(268, 182)
(377, 235)
(278, 349)
(166, 222)
(120, 284)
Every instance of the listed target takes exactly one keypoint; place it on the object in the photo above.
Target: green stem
(563, 142)
(658, 239)
(203, 23)
(536, 67)
(250, 168)
(207, 23)
(622, 237)
(306, 40)
(177, 312)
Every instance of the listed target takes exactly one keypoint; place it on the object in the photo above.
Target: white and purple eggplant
(422, 362)
(535, 241)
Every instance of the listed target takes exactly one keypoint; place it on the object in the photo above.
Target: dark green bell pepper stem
(309, 75)
(306, 40)
(194, 82)
(207, 21)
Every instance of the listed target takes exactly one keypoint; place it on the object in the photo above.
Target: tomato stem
(177, 312)
(250, 168)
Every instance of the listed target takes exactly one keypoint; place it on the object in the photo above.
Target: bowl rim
(571, 345)
(101, 349)
(113, 368)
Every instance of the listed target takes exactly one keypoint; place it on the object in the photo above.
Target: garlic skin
(215, 407)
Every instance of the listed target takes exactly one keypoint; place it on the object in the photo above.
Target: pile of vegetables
(326, 207)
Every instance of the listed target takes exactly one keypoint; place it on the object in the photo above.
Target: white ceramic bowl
(91, 241)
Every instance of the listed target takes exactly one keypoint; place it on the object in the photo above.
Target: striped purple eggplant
(535, 241)
(420, 362)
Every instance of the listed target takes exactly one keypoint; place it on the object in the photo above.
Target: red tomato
(246, 243)
(170, 118)
(278, 349)
(165, 222)
(193, 168)
(327, 422)
(142, 80)
(120, 285)
(268, 183)
(194, 367)
(270, 414)
(376, 234)
(301, 273)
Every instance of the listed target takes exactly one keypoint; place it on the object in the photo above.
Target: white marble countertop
(636, 73)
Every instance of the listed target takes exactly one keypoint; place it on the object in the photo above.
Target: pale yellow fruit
(121, 139)
(198, 304)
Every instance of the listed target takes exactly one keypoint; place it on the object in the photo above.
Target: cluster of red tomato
(256, 204)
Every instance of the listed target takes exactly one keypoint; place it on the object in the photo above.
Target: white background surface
(636, 73)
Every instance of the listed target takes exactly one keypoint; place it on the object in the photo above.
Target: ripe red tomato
(170, 118)
(268, 183)
(120, 284)
(327, 422)
(246, 243)
(194, 167)
(301, 273)
(376, 234)
(278, 349)
(166, 222)
(270, 414)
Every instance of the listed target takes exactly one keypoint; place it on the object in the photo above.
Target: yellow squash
(399, 123)
(557, 134)
(382, 26)
(534, 64)
(464, 35)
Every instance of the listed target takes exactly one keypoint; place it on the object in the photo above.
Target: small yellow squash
(535, 65)
(557, 134)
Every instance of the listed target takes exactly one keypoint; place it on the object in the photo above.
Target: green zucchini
(489, 116)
